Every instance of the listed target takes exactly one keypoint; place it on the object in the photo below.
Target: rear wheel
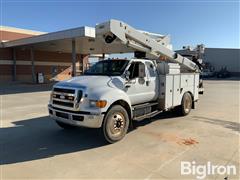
(115, 124)
(64, 125)
(186, 104)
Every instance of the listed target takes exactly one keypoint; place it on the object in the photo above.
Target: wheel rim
(117, 124)
(187, 103)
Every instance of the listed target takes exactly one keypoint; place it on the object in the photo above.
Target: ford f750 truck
(114, 92)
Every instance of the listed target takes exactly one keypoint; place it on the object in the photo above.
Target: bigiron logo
(203, 170)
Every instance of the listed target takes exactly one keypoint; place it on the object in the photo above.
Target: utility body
(114, 92)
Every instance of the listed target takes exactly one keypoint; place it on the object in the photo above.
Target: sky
(214, 23)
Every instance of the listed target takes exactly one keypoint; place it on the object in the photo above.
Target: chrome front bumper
(76, 119)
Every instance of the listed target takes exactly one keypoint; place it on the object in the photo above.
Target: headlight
(98, 103)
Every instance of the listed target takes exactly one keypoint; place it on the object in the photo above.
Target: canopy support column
(33, 65)
(83, 63)
(74, 57)
(14, 65)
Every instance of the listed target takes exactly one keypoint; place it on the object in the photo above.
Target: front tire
(115, 124)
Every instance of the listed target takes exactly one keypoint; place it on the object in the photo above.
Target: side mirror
(141, 73)
(127, 75)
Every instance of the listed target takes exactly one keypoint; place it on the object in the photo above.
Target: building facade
(218, 58)
(53, 65)
(223, 58)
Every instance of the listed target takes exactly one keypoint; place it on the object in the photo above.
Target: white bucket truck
(114, 92)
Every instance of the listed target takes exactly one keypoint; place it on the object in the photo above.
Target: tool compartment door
(169, 91)
(176, 90)
(196, 86)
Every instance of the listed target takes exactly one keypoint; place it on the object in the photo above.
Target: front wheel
(115, 124)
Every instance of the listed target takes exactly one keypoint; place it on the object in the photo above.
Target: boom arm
(141, 41)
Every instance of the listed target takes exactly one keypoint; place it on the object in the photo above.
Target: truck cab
(141, 84)
(114, 92)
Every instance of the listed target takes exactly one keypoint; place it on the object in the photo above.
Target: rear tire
(64, 125)
(115, 124)
(186, 105)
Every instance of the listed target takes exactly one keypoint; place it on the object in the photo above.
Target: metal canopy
(61, 41)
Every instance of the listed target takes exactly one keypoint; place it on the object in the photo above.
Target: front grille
(68, 104)
(64, 97)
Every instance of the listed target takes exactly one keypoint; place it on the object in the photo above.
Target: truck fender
(124, 104)
(119, 98)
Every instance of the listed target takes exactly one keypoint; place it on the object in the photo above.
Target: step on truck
(114, 92)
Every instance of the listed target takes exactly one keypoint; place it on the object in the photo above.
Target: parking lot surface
(33, 146)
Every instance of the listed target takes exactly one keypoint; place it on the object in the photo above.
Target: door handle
(148, 82)
(127, 86)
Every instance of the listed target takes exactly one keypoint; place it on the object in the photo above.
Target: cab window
(134, 70)
(151, 69)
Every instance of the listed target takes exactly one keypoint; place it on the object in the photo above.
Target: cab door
(152, 80)
(136, 87)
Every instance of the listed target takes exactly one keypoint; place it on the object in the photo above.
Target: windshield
(108, 68)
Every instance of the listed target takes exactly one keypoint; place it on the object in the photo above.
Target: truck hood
(93, 82)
